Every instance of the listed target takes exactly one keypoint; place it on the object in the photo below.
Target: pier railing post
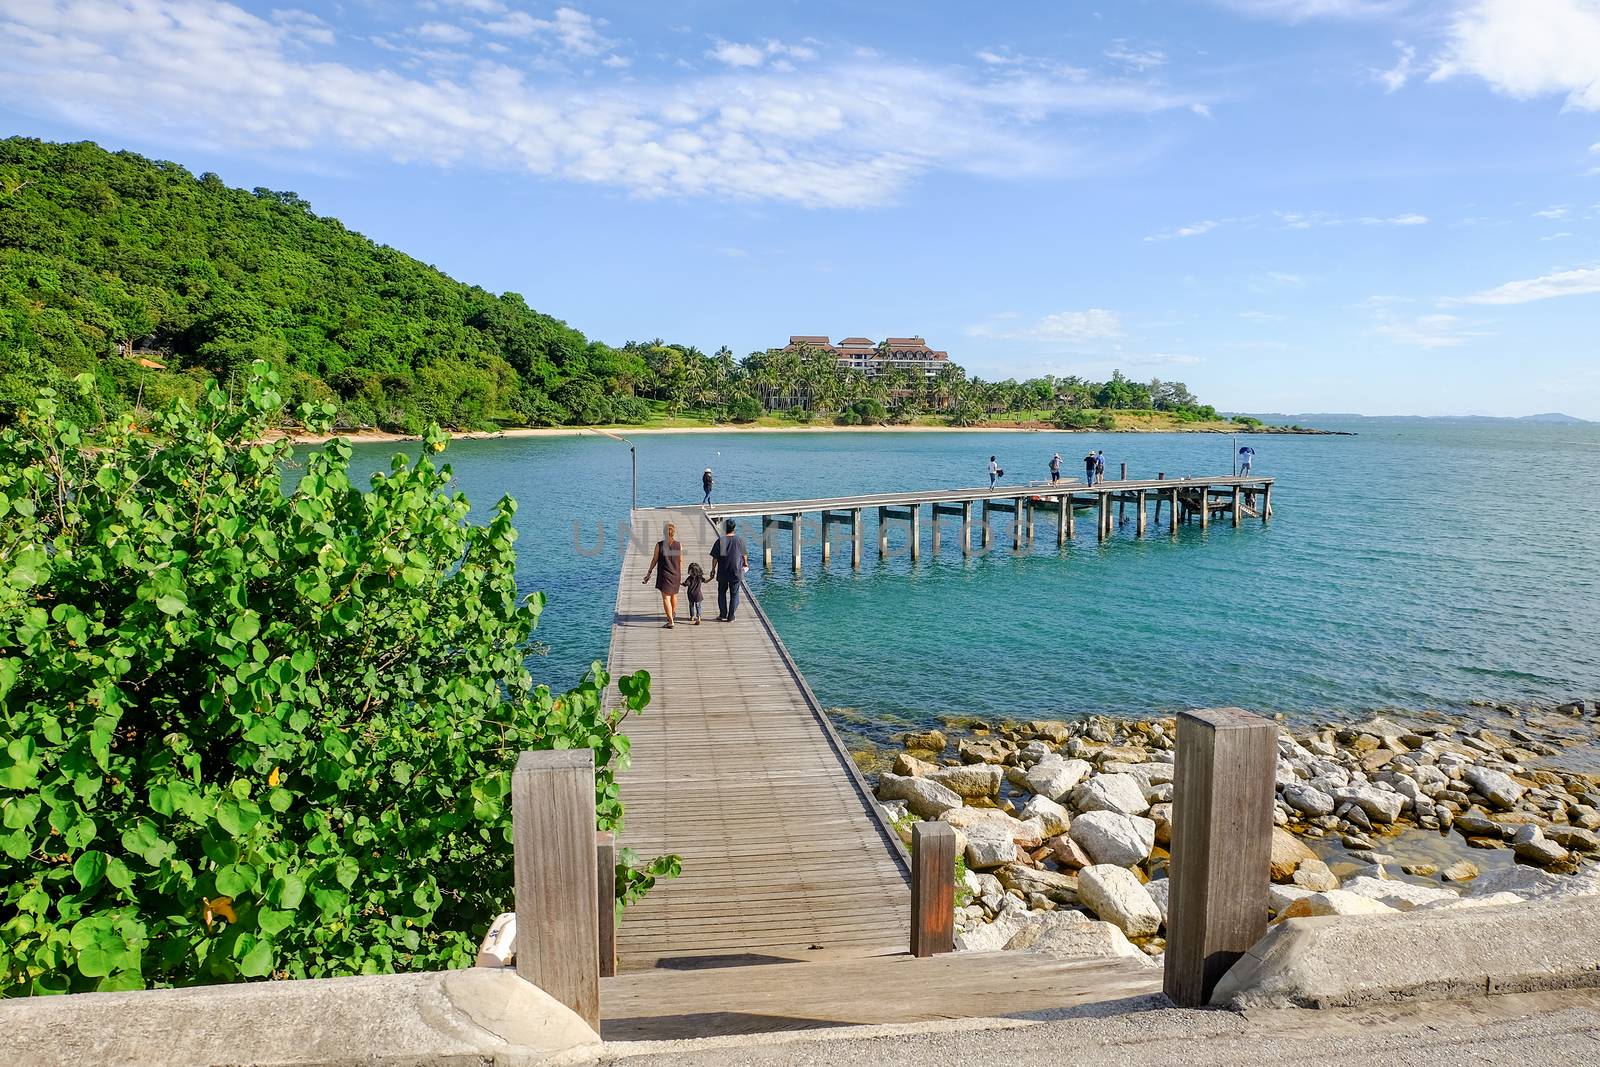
(605, 873)
(966, 527)
(933, 888)
(1223, 788)
(883, 532)
(827, 538)
(796, 522)
(766, 541)
(855, 538)
(554, 858)
(916, 532)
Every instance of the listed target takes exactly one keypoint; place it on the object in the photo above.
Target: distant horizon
(1553, 418)
(1368, 205)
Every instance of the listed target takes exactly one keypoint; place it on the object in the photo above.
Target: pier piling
(855, 538)
(916, 532)
(966, 528)
(933, 888)
(1139, 504)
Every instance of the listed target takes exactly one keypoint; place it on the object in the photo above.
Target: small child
(696, 579)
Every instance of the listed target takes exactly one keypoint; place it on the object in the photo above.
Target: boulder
(1052, 815)
(1111, 837)
(912, 767)
(989, 845)
(925, 799)
(1474, 823)
(1314, 875)
(1287, 854)
(1574, 837)
(1055, 732)
(1397, 894)
(1161, 815)
(1160, 891)
(927, 741)
(992, 936)
(1072, 935)
(1111, 792)
(1376, 804)
(990, 750)
(1061, 888)
(964, 818)
(1281, 896)
(1055, 778)
(1308, 800)
(1531, 844)
(1497, 786)
(971, 782)
(1068, 853)
(1116, 895)
(1459, 871)
(1335, 902)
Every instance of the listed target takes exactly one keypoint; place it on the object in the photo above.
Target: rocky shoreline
(1063, 827)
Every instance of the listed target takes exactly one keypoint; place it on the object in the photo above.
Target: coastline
(369, 437)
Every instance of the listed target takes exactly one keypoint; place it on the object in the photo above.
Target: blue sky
(1297, 205)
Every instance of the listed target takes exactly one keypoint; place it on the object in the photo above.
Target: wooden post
(883, 532)
(552, 830)
(1063, 511)
(855, 538)
(1172, 517)
(1105, 516)
(1266, 502)
(1124, 472)
(1238, 500)
(988, 530)
(827, 531)
(1222, 803)
(1122, 504)
(1205, 507)
(1030, 519)
(795, 522)
(966, 527)
(1139, 504)
(1017, 522)
(933, 528)
(933, 888)
(916, 532)
(1160, 477)
(605, 871)
(766, 541)
(1072, 519)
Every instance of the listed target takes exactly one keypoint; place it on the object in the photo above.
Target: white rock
(1072, 935)
(1054, 778)
(1281, 896)
(992, 936)
(1336, 902)
(1307, 800)
(1111, 792)
(1160, 891)
(1530, 883)
(1051, 815)
(927, 800)
(1490, 901)
(894, 810)
(1117, 896)
(971, 782)
(989, 846)
(1399, 895)
(1497, 786)
(1377, 804)
(1111, 837)
(965, 818)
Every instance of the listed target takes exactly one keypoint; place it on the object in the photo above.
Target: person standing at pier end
(667, 565)
(1088, 468)
(994, 471)
(1055, 468)
(705, 483)
(728, 562)
(1100, 468)
(1247, 456)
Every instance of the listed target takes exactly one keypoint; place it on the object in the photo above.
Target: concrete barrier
(1341, 961)
(438, 1019)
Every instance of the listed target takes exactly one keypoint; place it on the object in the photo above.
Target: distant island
(1551, 417)
(154, 281)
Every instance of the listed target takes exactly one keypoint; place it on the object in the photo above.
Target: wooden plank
(552, 827)
(605, 870)
(933, 888)
(1223, 791)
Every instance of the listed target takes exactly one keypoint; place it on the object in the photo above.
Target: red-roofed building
(862, 354)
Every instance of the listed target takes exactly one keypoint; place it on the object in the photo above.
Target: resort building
(873, 358)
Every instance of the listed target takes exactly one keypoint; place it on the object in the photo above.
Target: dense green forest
(154, 281)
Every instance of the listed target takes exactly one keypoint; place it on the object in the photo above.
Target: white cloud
(849, 133)
(575, 31)
(1396, 220)
(1427, 331)
(735, 54)
(304, 24)
(1000, 58)
(1194, 229)
(1063, 327)
(1583, 281)
(616, 62)
(1560, 211)
(1529, 48)
(1306, 220)
(444, 33)
(1394, 79)
(1301, 10)
(1555, 236)
(1139, 59)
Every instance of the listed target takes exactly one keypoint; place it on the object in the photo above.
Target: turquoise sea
(1422, 564)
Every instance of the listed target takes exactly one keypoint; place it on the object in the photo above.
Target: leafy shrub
(250, 733)
(1072, 419)
(744, 409)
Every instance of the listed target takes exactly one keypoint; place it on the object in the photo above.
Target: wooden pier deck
(735, 768)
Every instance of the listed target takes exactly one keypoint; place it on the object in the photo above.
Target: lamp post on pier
(634, 455)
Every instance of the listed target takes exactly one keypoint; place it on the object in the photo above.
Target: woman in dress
(667, 565)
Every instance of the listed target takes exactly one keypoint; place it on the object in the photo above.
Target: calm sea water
(1419, 565)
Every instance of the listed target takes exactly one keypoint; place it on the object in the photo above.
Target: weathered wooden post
(1205, 507)
(988, 528)
(1063, 510)
(1172, 516)
(966, 527)
(916, 532)
(1122, 503)
(1139, 504)
(1017, 524)
(883, 532)
(766, 541)
(1266, 502)
(605, 872)
(1161, 476)
(933, 529)
(1031, 503)
(1238, 502)
(855, 538)
(1072, 522)
(795, 522)
(1223, 788)
(1105, 516)
(827, 538)
(553, 835)
(933, 888)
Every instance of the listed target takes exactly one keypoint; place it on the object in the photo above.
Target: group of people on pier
(729, 561)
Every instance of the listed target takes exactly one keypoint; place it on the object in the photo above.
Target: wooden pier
(736, 769)
(1184, 500)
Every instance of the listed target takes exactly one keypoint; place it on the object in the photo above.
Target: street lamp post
(633, 453)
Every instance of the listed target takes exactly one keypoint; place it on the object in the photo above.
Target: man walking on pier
(1088, 468)
(1100, 468)
(705, 482)
(994, 471)
(1055, 468)
(728, 562)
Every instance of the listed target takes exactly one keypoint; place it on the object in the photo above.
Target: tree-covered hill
(110, 262)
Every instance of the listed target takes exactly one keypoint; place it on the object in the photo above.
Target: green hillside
(110, 262)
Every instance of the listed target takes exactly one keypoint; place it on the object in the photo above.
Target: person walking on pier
(705, 482)
(1100, 468)
(994, 471)
(1055, 468)
(728, 562)
(1088, 468)
(1247, 456)
(693, 584)
(667, 565)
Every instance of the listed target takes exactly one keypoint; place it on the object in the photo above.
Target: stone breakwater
(1063, 827)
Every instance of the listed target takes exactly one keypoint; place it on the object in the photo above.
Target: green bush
(744, 409)
(1073, 419)
(251, 733)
